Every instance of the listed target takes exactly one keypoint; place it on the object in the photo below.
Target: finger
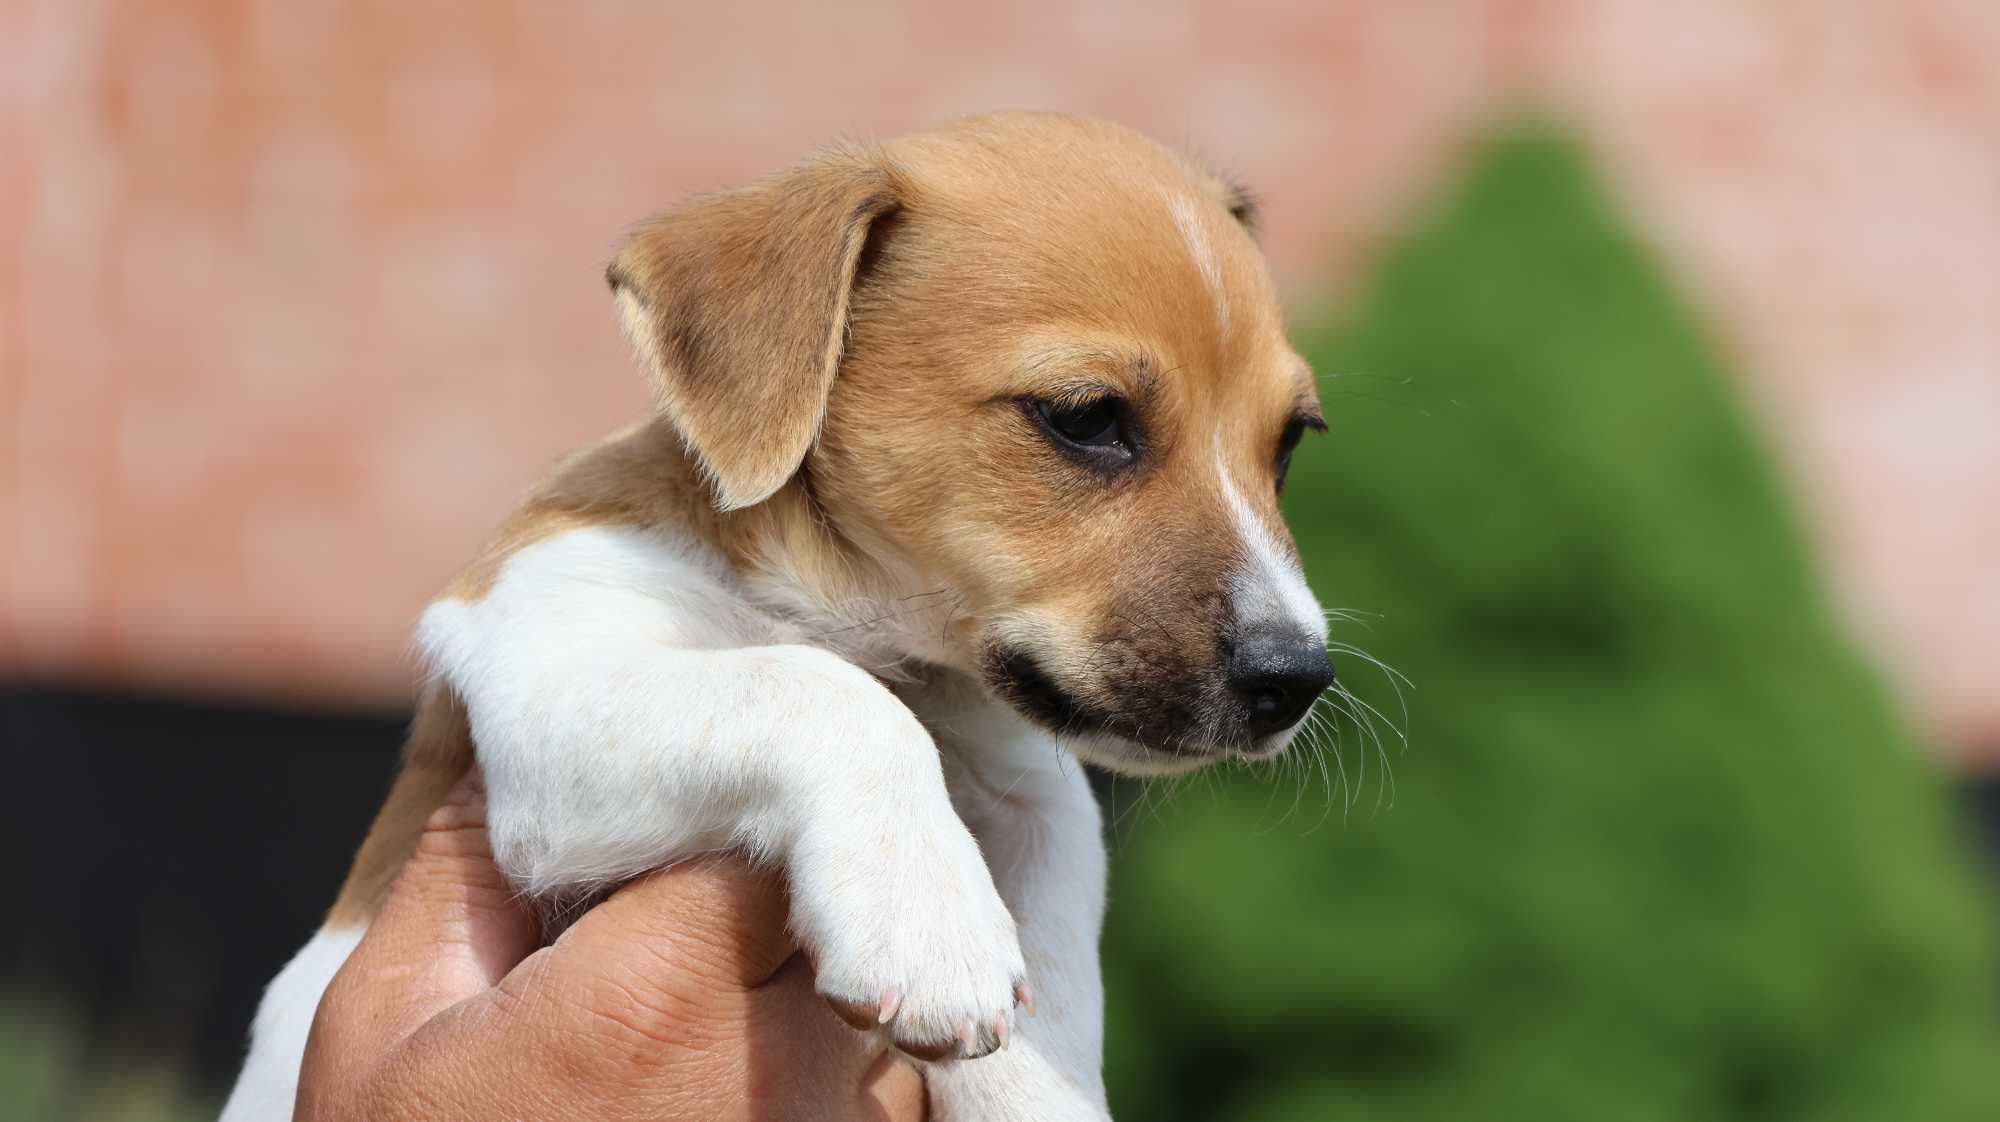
(677, 993)
(714, 925)
(451, 928)
(647, 993)
(776, 1052)
(808, 1061)
(892, 1088)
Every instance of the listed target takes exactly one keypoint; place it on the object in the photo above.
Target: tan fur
(1036, 252)
(435, 757)
(737, 303)
(638, 477)
(840, 355)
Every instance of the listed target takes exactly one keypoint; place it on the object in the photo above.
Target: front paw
(925, 953)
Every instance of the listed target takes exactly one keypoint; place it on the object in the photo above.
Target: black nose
(1278, 674)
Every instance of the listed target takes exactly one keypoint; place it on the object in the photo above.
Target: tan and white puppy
(965, 466)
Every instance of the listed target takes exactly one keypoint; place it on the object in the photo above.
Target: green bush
(1659, 847)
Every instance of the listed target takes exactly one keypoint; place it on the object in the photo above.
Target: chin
(1126, 756)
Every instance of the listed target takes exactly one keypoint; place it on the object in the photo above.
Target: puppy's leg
(619, 727)
(269, 1082)
(1042, 835)
(438, 752)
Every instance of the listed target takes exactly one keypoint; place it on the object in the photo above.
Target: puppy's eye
(1095, 423)
(1096, 428)
(1288, 441)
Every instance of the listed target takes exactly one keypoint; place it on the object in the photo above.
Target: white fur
(270, 1079)
(630, 706)
(1269, 586)
(1188, 219)
(629, 709)
(1033, 812)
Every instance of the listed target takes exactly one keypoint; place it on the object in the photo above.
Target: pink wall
(300, 295)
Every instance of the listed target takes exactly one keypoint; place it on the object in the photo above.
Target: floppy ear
(737, 303)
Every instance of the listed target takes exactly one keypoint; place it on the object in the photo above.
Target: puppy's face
(1034, 366)
(1068, 399)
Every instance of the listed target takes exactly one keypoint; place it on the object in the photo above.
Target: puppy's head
(1035, 365)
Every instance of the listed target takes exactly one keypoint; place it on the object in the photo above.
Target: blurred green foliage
(50, 1072)
(1659, 848)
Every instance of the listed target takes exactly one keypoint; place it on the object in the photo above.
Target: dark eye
(1094, 423)
(1289, 441)
(1094, 430)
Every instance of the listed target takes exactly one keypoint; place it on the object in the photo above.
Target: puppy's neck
(874, 608)
(790, 559)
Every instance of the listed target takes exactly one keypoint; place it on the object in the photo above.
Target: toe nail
(1000, 1029)
(856, 1015)
(891, 1001)
(1025, 997)
(967, 1037)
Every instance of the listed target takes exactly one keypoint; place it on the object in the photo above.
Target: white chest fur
(629, 709)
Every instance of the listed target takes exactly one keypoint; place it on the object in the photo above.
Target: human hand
(679, 997)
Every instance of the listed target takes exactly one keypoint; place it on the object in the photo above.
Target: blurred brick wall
(299, 295)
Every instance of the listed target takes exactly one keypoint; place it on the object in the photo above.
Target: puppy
(965, 467)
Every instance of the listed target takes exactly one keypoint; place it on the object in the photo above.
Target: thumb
(452, 926)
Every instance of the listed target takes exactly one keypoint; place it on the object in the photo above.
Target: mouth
(1158, 743)
(1030, 689)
